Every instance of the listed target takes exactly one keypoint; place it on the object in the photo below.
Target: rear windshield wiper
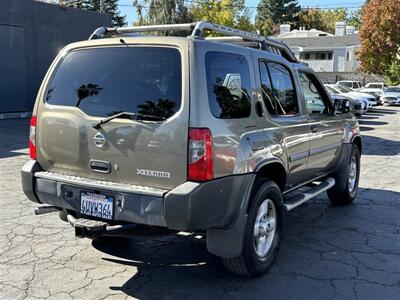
(130, 115)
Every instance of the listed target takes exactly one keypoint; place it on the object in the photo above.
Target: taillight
(32, 138)
(200, 160)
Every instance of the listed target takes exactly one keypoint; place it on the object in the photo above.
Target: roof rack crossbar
(198, 31)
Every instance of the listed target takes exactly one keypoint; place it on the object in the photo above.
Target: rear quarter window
(105, 81)
(228, 85)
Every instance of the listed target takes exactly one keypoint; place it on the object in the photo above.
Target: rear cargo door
(147, 146)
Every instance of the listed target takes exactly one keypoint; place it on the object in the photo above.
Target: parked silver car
(190, 134)
(391, 95)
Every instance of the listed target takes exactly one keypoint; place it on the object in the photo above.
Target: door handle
(314, 128)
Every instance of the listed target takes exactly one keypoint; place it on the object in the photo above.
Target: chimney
(350, 30)
(284, 28)
(340, 28)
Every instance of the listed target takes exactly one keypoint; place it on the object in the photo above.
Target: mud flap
(227, 243)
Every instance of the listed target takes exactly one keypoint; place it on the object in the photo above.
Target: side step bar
(309, 194)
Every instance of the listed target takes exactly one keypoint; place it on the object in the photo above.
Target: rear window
(228, 84)
(345, 83)
(106, 81)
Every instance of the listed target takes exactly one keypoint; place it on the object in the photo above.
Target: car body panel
(307, 146)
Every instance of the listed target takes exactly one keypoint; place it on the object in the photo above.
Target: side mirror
(342, 106)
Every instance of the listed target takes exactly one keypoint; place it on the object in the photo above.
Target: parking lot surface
(328, 252)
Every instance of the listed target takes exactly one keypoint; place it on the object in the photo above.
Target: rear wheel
(346, 180)
(262, 235)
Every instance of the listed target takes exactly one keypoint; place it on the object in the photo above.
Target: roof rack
(198, 29)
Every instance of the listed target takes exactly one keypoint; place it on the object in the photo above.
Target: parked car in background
(357, 107)
(350, 83)
(376, 89)
(392, 95)
(332, 88)
(376, 85)
(348, 91)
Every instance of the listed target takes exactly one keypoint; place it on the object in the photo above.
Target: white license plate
(97, 205)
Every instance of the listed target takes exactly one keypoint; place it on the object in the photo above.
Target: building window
(305, 56)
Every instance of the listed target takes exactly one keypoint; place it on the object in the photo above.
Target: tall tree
(325, 20)
(231, 13)
(380, 36)
(276, 12)
(162, 12)
(105, 6)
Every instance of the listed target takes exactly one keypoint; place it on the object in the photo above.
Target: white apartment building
(334, 55)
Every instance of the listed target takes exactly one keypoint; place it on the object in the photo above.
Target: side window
(228, 84)
(315, 100)
(266, 89)
(283, 90)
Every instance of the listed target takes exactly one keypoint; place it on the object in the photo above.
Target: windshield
(374, 86)
(106, 81)
(393, 90)
(343, 89)
(332, 90)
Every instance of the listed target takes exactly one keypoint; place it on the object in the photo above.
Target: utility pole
(101, 6)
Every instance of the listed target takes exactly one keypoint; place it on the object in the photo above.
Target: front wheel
(346, 180)
(263, 233)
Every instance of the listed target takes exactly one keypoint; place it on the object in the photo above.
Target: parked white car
(349, 91)
(357, 110)
(392, 95)
(375, 89)
(350, 83)
(342, 90)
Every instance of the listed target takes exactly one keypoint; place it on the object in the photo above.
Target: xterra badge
(153, 173)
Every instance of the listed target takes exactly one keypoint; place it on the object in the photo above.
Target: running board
(303, 197)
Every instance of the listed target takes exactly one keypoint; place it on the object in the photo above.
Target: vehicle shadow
(372, 123)
(365, 128)
(378, 146)
(382, 111)
(14, 135)
(171, 266)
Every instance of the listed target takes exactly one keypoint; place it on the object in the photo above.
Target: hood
(364, 95)
(393, 94)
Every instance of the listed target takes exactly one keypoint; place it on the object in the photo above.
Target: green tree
(272, 13)
(325, 20)
(354, 18)
(106, 6)
(392, 75)
(231, 13)
(162, 12)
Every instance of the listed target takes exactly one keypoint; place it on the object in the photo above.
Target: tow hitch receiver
(93, 228)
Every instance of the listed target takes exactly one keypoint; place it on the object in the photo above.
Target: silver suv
(221, 135)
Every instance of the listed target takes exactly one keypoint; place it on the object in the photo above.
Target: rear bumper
(190, 206)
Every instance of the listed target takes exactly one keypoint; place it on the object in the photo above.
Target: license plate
(97, 205)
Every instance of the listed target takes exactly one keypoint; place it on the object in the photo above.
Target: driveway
(327, 253)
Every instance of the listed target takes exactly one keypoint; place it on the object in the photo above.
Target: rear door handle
(314, 128)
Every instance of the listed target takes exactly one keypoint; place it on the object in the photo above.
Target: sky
(127, 9)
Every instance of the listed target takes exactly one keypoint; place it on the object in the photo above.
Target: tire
(252, 263)
(345, 190)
